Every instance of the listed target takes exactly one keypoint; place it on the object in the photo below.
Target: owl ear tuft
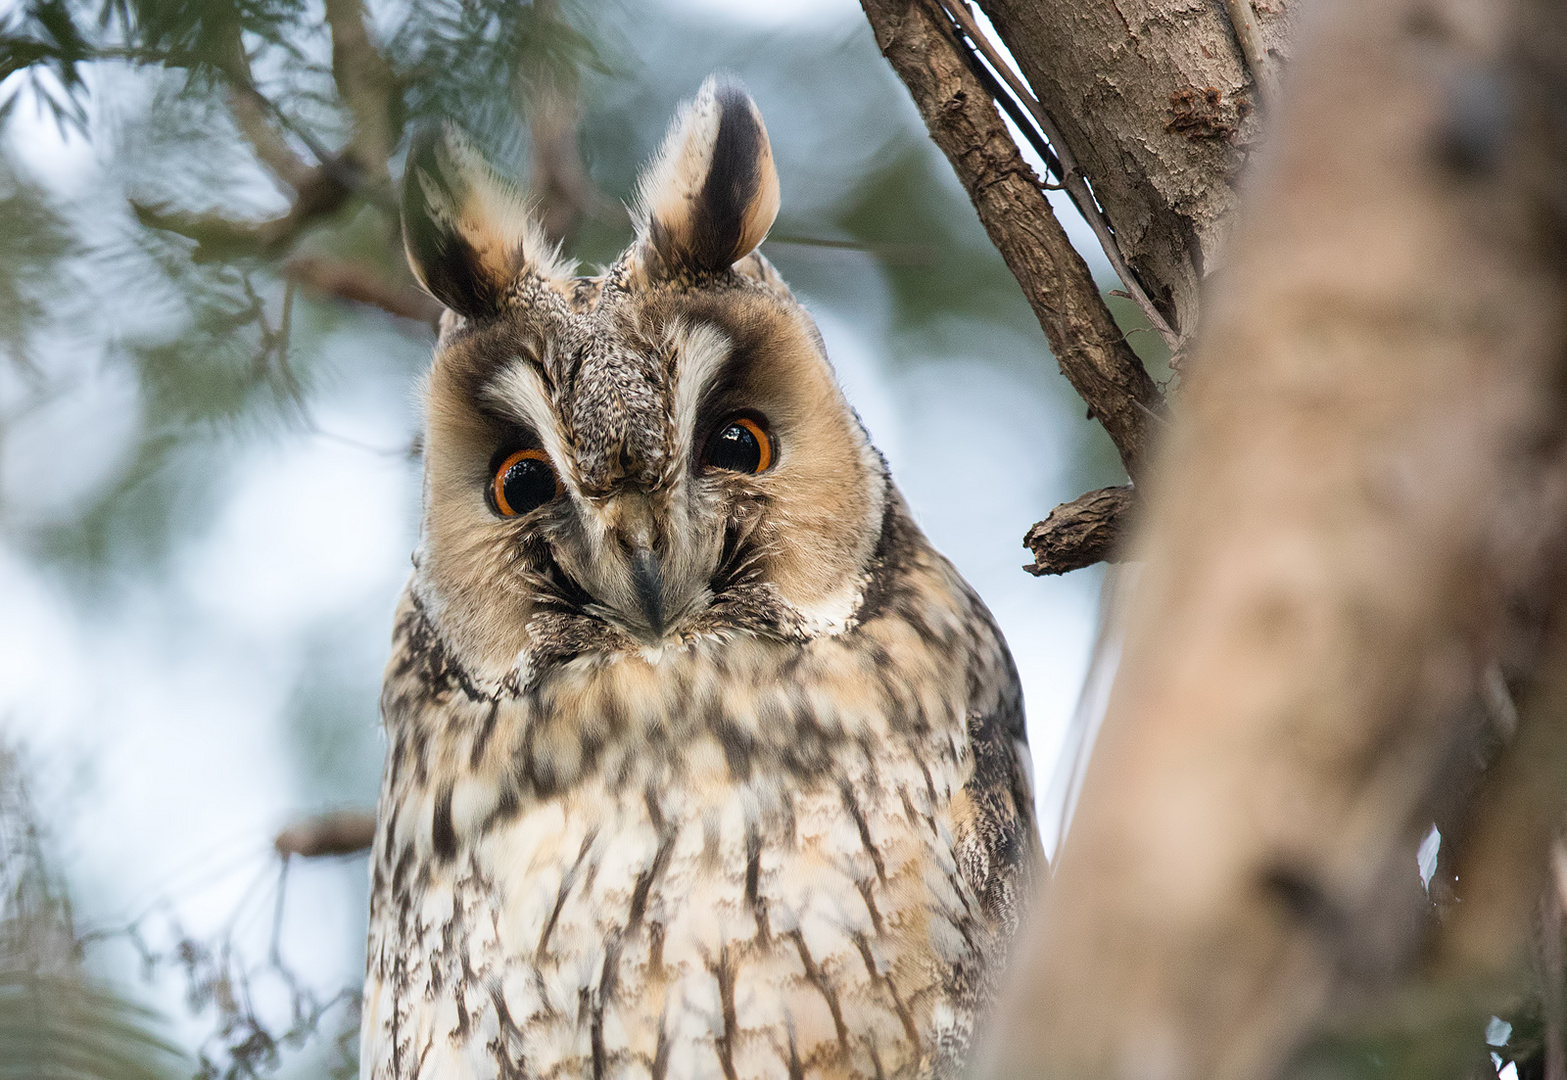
(466, 229)
(709, 197)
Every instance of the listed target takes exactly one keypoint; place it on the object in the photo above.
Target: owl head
(645, 458)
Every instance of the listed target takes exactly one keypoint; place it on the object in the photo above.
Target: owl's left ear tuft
(467, 230)
(709, 197)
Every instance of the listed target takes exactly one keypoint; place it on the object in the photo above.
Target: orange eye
(523, 482)
(741, 445)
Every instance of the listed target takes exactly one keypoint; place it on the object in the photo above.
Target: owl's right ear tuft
(466, 229)
(709, 197)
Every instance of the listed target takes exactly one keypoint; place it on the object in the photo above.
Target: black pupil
(528, 485)
(734, 448)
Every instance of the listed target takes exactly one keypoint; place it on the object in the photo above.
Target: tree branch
(1080, 533)
(1264, 72)
(254, 116)
(1090, 348)
(1154, 98)
(367, 85)
(321, 194)
(342, 832)
(319, 190)
(1071, 175)
(361, 285)
(254, 121)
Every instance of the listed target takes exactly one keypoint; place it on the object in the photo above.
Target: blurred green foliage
(69, 1027)
(35, 247)
(57, 1021)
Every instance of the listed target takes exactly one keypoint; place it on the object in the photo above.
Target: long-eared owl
(702, 762)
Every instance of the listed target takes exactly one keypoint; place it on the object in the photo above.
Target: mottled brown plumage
(693, 771)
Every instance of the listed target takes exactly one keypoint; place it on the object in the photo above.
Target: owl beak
(647, 576)
(629, 571)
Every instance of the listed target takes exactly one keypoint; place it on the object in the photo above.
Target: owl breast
(740, 857)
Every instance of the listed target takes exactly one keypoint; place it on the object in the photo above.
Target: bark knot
(1202, 113)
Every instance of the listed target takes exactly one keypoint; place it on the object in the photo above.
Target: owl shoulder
(996, 838)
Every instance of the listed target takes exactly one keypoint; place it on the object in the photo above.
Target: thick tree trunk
(1159, 106)
(1366, 475)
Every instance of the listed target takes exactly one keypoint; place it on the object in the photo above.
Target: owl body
(702, 762)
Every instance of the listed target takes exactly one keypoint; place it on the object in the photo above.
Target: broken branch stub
(342, 832)
(1080, 533)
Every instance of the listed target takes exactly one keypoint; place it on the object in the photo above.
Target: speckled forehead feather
(613, 388)
(620, 373)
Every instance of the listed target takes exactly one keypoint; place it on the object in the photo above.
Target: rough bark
(1080, 533)
(1158, 104)
(1365, 478)
(964, 123)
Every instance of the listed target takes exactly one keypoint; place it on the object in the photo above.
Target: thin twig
(1072, 178)
(1264, 72)
(274, 948)
(891, 252)
(1014, 111)
(1553, 970)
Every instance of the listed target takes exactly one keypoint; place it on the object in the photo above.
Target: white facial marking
(703, 349)
(519, 392)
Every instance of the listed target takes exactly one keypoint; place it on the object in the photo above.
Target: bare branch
(367, 85)
(361, 285)
(1155, 101)
(963, 121)
(1087, 530)
(343, 832)
(1248, 34)
(1071, 176)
